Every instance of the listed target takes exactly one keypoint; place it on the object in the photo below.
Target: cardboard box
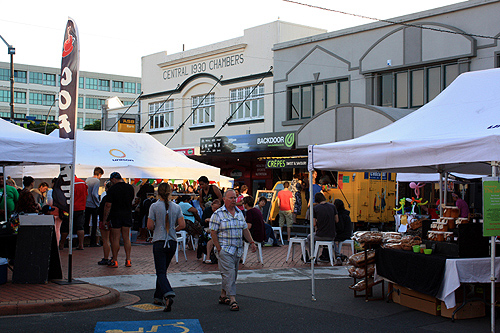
(474, 309)
(415, 300)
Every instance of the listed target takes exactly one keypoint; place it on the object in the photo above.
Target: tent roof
(20, 145)
(134, 155)
(458, 131)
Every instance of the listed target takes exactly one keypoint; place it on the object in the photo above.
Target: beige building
(241, 64)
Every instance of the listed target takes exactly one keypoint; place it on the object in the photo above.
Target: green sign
(491, 206)
(345, 179)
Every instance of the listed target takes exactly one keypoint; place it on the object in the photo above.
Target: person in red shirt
(80, 199)
(285, 204)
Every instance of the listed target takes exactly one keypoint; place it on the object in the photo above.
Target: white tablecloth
(473, 270)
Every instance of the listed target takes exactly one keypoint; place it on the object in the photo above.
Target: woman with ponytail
(163, 217)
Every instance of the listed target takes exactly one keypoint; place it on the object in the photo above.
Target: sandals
(208, 261)
(168, 304)
(234, 306)
(224, 300)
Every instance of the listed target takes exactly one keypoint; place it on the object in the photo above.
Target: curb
(45, 306)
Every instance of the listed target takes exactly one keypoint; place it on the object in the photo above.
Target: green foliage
(40, 127)
(95, 126)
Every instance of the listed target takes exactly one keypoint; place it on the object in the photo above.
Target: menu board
(491, 206)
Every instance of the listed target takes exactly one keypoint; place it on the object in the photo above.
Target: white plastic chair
(245, 252)
(277, 230)
(348, 241)
(329, 244)
(181, 241)
(297, 240)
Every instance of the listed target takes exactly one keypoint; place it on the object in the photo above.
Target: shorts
(285, 216)
(123, 222)
(104, 225)
(78, 221)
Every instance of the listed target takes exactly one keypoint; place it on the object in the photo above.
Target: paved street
(275, 297)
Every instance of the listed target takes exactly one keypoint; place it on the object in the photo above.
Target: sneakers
(104, 261)
(128, 263)
(113, 264)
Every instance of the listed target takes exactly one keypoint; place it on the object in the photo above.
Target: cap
(115, 175)
(47, 208)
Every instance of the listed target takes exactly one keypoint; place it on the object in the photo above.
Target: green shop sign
(248, 143)
(491, 206)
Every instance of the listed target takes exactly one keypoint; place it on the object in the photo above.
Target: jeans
(270, 233)
(91, 212)
(163, 256)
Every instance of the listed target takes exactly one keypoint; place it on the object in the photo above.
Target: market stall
(458, 131)
(133, 155)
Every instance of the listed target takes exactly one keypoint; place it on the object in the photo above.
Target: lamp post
(11, 51)
(47, 116)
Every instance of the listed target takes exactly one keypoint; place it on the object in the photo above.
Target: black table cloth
(417, 271)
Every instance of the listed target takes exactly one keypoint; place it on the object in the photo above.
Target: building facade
(36, 92)
(344, 84)
(220, 90)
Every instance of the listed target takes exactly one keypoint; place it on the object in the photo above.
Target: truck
(369, 196)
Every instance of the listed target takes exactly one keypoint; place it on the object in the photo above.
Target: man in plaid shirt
(227, 226)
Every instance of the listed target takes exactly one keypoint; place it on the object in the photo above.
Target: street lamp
(47, 116)
(11, 51)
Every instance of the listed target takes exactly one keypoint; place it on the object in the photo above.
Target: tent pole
(311, 230)
(446, 188)
(5, 193)
(310, 166)
(441, 176)
(494, 173)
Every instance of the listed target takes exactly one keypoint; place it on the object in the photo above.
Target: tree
(95, 126)
(40, 127)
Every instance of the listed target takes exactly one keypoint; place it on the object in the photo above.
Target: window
(4, 74)
(104, 85)
(161, 116)
(20, 76)
(80, 102)
(94, 103)
(20, 115)
(5, 114)
(129, 87)
(79, 123)
(138, 88)
(5, 96)
(91, 83)
(253, 107)
(205, 113)
(42, 99)
(19, 97)
(49, 79)
(81, 83)
(117, 86)
(307, 100)
(36, 98)
(36, 77)
(90, 121)
(127, 103)
(413, 88)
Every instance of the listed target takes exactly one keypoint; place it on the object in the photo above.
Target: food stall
(455, 132)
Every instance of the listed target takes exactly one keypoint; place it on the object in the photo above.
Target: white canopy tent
(134, 155)
(22, 146)
(458, 131)
(19, 145)
(430, 177)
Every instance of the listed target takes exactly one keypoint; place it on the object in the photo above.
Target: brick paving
(51, 297)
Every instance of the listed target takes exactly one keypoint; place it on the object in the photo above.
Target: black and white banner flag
(68, 94)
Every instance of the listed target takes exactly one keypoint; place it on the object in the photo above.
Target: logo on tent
(120, 156)
(117, 153)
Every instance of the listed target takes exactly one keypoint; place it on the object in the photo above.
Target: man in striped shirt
(227, 226)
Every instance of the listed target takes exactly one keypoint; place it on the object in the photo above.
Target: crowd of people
(220, 220)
